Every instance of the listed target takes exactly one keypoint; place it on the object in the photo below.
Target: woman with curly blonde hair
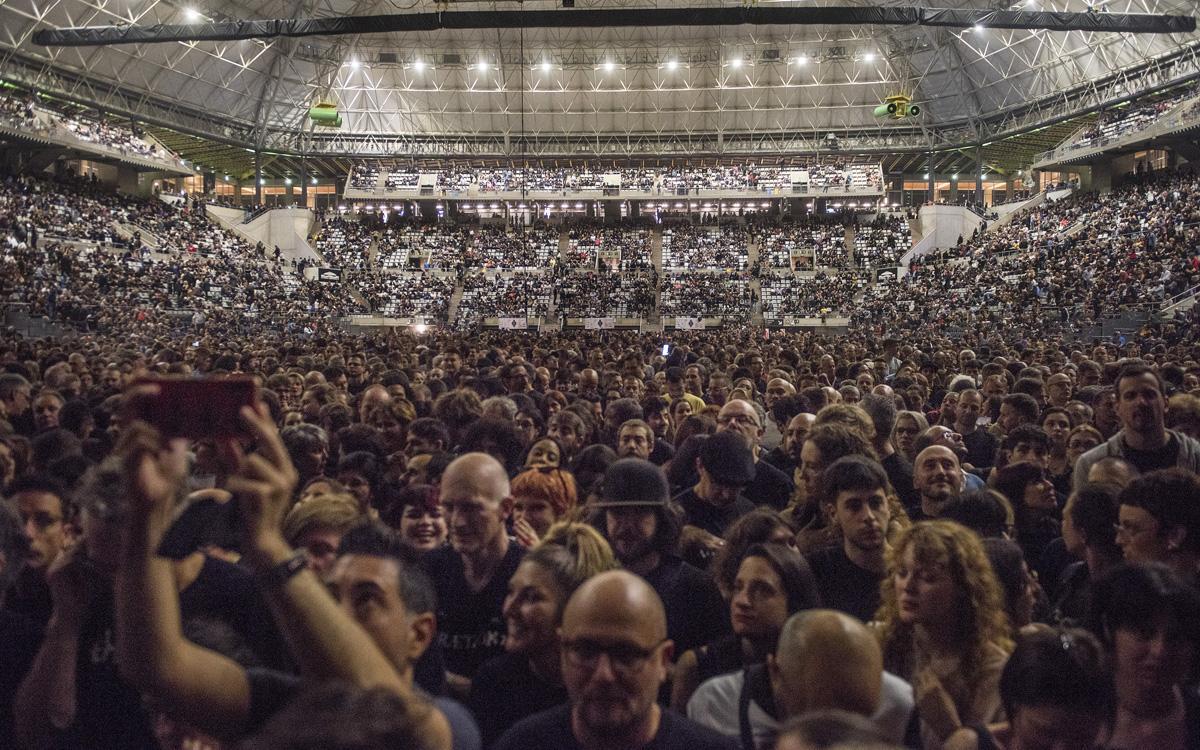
(943, 627)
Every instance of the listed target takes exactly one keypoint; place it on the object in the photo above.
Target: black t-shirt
(1165, 457)
(227, 592)
(551, 730)
(471, 628)
(696, 612)
(780, 459)
(705, 515)
(20, 637)
(494, 687)
(845, 586)
(663, 452)
(771, 487)
(900, 474)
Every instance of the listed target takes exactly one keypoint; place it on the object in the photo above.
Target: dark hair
(376, 540)
(785, 408)
(1172, 497)
(1012, 480)
(836, 439)
(830, 728)
(1094, 513)
(591, 463)
(669, 520)
(1026, 433)
(1007, 561)
(428, 428)
(756, 527)
(13, 544)
(47, 484)
(503, 433)
(882, 411)
(1060, 668)
(1133, 596)
(983, 511)
(696, 424)
(366, 464)
(339, 716)
(1025, 404)
(853, 472)
(681, 473)
(1137, 369)
(73, 414)
(793, 570)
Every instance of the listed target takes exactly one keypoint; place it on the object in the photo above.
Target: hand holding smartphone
(195, 408)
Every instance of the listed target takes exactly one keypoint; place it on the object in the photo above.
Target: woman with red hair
(541, 496)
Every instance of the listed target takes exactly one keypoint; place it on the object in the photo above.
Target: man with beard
(948, 438)
(643, 526)
(938, 478)
(981, 445)
(853, 493)
(616, 654)
(1143, 439)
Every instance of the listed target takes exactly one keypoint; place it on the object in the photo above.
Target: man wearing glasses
(770, 486)
(615, 657)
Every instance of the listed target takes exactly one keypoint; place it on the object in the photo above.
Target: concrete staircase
(851, 233)
(455, 299)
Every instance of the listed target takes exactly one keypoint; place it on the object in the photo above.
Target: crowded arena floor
(827, 384)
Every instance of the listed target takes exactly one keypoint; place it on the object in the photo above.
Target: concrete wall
(286, 227)
(945, 224)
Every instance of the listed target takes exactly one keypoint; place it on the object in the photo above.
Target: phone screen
(197, 407)
(666, 349)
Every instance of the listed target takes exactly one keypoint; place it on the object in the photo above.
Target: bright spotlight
(354, 63)
(735, 63)
(546, 66)
(672, 64)
(191, 14)
(418, 65)
(802, 60)
(420, 328)
(869, 57)
(978, 28)
(483, 66)
(609, 66)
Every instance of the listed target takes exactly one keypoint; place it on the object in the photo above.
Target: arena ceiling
(617, 92)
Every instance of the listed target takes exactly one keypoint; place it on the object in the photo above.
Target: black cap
(632, 482)
(728, 458)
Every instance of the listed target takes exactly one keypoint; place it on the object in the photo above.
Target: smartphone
(666, 349)
(196, 408)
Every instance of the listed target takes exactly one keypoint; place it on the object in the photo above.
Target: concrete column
(257, 177)
(1101, 177)
(127, 180)
(932, 179)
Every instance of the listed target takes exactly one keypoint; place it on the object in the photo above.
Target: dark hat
(728, 458)
(633, 482)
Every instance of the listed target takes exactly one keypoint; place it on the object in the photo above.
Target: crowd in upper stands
(721, 247)
(1115, 123)
(882, 242)
(26, 112)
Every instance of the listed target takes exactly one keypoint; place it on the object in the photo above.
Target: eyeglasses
(42, 521)
(625, 658)
(1128, 530)
(739, 418)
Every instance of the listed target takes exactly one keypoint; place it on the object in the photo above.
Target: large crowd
(738, 538)
(26, 112)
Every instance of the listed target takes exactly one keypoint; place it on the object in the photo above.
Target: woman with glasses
(1080, 440)
(909, 424)
(1034, 501)
(1147, 618)
(527, 678)
(773, 582)
(943, 627)
(1159, 521)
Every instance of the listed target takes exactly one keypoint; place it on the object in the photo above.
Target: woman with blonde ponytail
(569, 554)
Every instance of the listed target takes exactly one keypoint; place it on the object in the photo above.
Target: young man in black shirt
(725, 466)
(616, 656)
(853, 490)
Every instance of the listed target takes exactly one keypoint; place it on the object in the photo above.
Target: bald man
(615, 657)
(825, 660)
(471, 575)
(938, 478)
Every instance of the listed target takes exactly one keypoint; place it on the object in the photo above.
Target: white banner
(596, 324)
(689, 324)
(514, 324)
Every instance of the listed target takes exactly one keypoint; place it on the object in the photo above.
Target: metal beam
(1130, 23)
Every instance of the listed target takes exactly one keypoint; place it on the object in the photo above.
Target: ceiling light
(314, 180)
(191, 14)
(483, 65)
(735, 63)
(287, 180)
(672, 64)
(802, 60)
(609, 66)
(869, 57)
(978, 28)
(546, 66)
(418, 65)
(354, 63)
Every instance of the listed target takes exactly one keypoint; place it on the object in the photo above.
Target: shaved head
(827, 659)
(478, 475)
(620, 599)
